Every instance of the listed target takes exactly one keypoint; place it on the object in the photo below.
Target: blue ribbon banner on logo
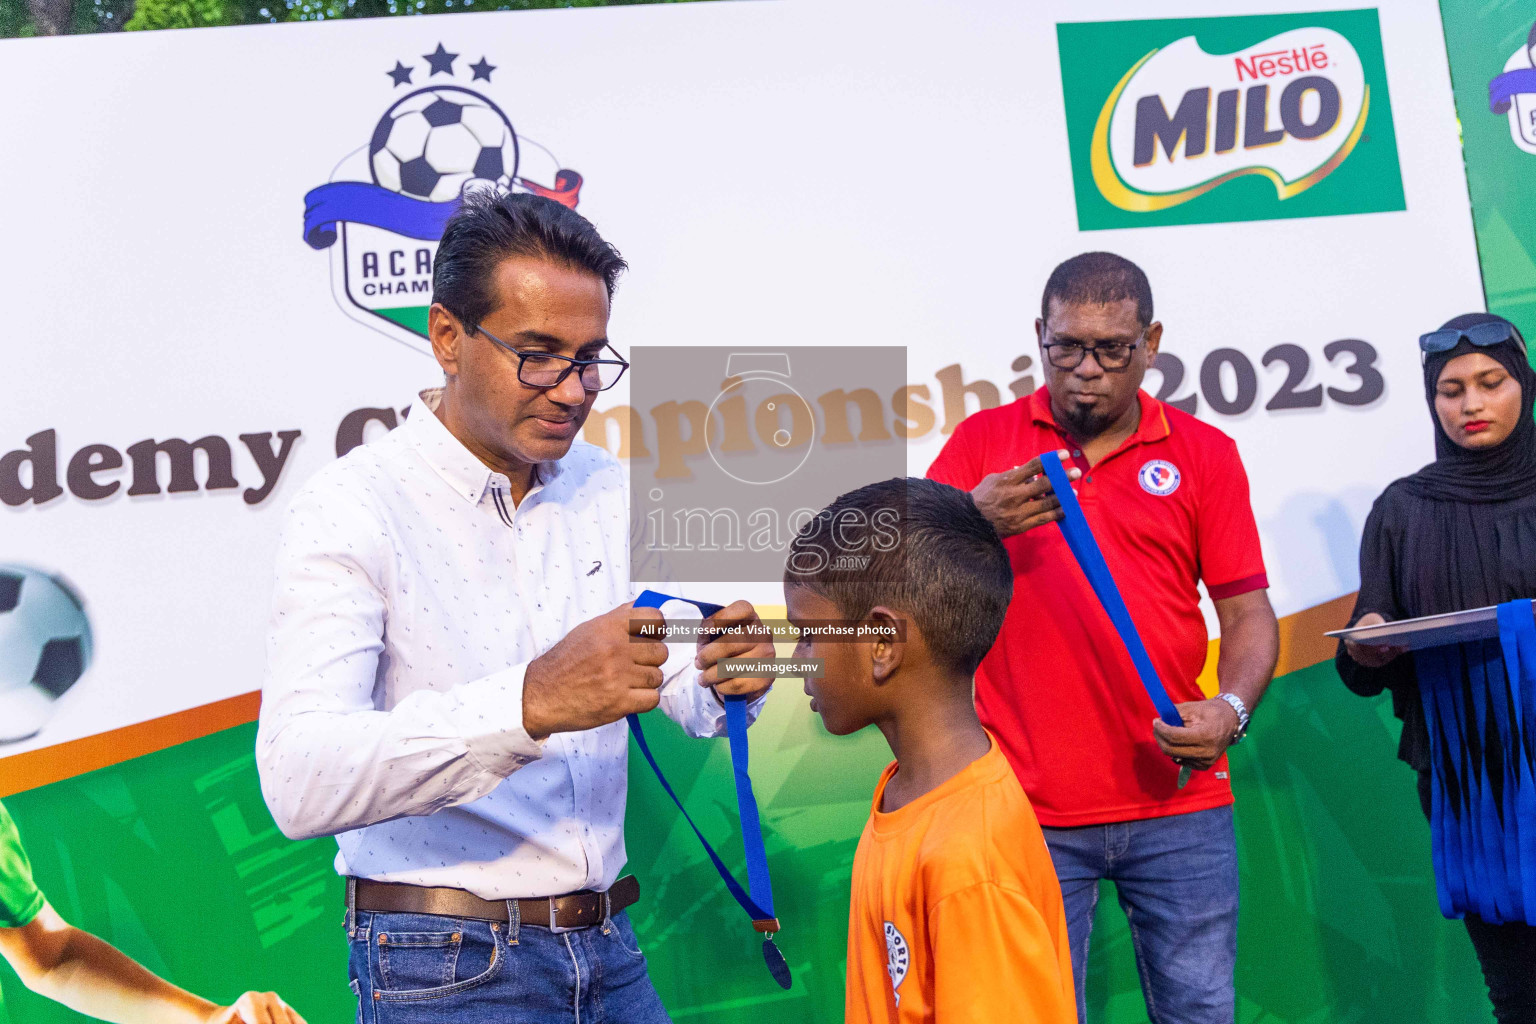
(1503, 89)
(1482, 807)
(759, 903)
(361, 202)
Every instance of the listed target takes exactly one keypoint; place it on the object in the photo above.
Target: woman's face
(1478, 402)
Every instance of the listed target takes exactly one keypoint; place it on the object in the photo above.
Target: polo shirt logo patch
(1159, 478)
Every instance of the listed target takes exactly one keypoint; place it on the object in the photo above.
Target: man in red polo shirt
(1167, 498)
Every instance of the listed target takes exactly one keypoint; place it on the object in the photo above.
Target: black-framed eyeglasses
(1481, 335)
(1111, 355)
(547, 370)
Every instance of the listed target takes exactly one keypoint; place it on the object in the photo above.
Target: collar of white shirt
(459, 467)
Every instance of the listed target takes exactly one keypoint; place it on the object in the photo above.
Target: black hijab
(1460, 533)
(1508, 469)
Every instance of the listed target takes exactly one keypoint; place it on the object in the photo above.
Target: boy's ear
(887, 650)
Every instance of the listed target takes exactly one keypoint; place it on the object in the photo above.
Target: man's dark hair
(1097, 278)
(490, 227)
(924, 550)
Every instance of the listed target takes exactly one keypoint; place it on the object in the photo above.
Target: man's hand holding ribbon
(741, 635)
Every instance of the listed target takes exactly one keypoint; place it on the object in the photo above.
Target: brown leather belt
(558, 913)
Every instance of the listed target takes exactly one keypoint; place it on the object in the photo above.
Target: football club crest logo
(383, 211)
(1514, 93)
(1159, 478)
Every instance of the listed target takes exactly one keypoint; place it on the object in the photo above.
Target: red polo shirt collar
(1152, 428)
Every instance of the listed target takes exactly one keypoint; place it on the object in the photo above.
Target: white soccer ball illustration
(45, 647)
(432, 143)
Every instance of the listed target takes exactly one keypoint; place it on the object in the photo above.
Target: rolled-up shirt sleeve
(330, 759)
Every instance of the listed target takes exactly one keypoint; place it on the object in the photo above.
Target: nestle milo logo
(1251, 109)
(1193, 128)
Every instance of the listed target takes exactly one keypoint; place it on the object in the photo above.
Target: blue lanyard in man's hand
(759, 904)
(1074, 526)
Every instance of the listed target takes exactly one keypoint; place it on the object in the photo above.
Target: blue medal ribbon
(1074, 526)
(758, 902)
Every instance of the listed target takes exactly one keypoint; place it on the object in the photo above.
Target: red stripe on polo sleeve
(1220, 591)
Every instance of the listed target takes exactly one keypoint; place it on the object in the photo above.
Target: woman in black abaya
(1458, 534)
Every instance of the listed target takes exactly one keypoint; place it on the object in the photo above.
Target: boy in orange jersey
(956, 915)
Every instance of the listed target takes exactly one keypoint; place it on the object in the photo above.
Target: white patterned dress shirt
(411, 594)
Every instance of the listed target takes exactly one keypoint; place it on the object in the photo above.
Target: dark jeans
(1176, 878)
(1506, 953)
(424, 969)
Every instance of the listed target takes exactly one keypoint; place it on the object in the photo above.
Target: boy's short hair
(919, 547)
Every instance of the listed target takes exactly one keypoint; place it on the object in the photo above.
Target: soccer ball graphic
(430, 144)
(45, 647)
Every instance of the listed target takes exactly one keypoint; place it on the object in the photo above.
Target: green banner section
(412, 318)
(174, 859)
(1482, 40)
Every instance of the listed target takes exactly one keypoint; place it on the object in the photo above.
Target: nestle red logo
(1276, 63)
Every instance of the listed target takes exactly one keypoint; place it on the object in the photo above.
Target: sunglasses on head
(1481, 335)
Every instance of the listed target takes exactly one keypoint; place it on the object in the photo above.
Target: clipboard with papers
(1428, 630)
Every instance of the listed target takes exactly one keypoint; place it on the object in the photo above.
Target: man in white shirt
(452, 653)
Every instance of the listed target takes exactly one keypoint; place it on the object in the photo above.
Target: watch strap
(1242, 714)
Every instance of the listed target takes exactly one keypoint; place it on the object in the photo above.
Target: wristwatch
(1242, 715)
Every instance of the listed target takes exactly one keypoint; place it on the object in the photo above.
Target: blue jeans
(1177, 882)
(416, 968)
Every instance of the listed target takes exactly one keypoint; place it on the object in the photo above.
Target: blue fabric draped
(758, 903)
(1480, 707)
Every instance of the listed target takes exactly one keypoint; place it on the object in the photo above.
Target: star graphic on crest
(441, 60)
(482, 70)
(401, 74)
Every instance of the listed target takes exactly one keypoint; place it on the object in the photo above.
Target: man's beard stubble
(1086, 424)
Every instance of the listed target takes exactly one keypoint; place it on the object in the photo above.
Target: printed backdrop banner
(219, 246)
(1493, 64)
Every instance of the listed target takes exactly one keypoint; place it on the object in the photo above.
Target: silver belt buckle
(555, 928)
